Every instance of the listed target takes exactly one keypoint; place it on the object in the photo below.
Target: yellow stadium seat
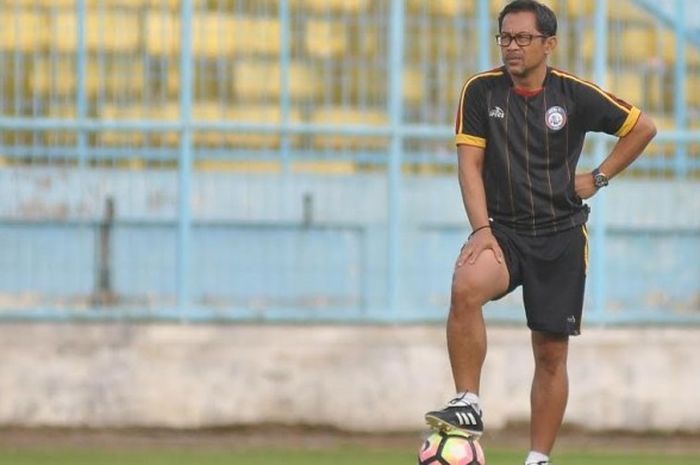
(258, 114)
(655, 91)
(44, 3)
(627, 85)
(636, 43)
(213, 34)
(667, 46)
(56, 77)
(349, 116)
(168, 111)
(24, 30)
(627, 11)
(60, 77)
(327, 167)
(693, 55)
(496, 6)
(261, 80)
(692, 87)
(325, 38)
(579, 8)
(117, 31)
(413, 85)
(67, 111)
(443, 7)
(256, 36)
(215, 111)
(323, 6)
(162, 31)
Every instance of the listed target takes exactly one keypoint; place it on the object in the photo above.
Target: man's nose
(513, 45)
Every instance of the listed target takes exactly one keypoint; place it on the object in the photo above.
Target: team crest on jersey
(555, 118)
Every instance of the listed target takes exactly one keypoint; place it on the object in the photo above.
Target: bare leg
(550, 389)
(472, 286)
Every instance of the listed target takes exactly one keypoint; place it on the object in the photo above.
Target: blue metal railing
(384, 300)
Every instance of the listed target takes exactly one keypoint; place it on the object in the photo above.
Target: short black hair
(545, 19)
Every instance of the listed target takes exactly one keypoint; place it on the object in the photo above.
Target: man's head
(527, 35)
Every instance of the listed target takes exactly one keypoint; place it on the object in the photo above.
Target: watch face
(600, 180)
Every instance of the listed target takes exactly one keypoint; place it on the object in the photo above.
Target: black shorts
(552, 270)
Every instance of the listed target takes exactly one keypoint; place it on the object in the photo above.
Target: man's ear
(550, 44)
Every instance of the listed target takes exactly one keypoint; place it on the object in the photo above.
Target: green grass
(346, 456)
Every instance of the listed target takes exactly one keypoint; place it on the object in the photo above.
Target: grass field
(343, 456)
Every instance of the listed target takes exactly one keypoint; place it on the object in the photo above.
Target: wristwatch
(600, 179)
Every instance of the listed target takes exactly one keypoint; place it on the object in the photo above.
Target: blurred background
(292, 161)
(240, 159)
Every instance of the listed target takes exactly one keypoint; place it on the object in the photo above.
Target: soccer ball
(450, 449)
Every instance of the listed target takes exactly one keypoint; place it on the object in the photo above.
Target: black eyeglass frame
(522, 39)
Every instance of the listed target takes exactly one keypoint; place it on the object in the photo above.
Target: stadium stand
(337, 60)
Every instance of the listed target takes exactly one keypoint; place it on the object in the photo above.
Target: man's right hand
(479, 242)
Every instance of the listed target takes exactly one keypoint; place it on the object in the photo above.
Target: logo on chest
(555, 118)
(497, 112)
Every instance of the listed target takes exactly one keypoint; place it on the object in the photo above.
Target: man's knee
(551, 352)
(467, 293)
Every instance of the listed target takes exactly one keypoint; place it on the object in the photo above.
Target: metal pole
(482, 12)
(81, 92)
(185, 162)
(597, 265)
(395, 101)
(284, 18)
(679, 103)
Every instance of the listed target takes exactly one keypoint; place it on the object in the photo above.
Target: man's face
(521, 59)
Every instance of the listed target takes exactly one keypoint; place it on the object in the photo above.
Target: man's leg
(550, 389)
(472, 286)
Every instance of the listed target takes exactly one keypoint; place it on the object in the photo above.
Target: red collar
(525, 92)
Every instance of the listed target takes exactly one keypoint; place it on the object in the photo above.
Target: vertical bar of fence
(81, 91)
(482, 12)
(395, 103)
(185, 161)
(597, 269)
(679, 103)
(285, 106)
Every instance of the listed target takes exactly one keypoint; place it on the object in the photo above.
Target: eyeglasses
(522, 39)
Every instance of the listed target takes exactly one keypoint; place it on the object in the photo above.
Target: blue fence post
(81, 92)
(598, 239)
(482, 12)
(285, 45)
(679, 103)
(395, 102)
(185, 162)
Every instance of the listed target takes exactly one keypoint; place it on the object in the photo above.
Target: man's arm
(626, 150)
(471, 183)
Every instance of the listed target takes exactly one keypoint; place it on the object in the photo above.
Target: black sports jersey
(532, 144)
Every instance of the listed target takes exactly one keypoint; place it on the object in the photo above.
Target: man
(520, 130)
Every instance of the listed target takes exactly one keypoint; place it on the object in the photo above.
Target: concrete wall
(363, 378)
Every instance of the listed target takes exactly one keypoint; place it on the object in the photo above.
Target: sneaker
(546, 462)
(459, 416)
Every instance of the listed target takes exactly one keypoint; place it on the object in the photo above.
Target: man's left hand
(584, 186)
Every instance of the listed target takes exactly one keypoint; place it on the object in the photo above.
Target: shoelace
(460, 402)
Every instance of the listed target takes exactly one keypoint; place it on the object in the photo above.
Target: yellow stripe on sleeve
(629, 123)
(465, 139)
